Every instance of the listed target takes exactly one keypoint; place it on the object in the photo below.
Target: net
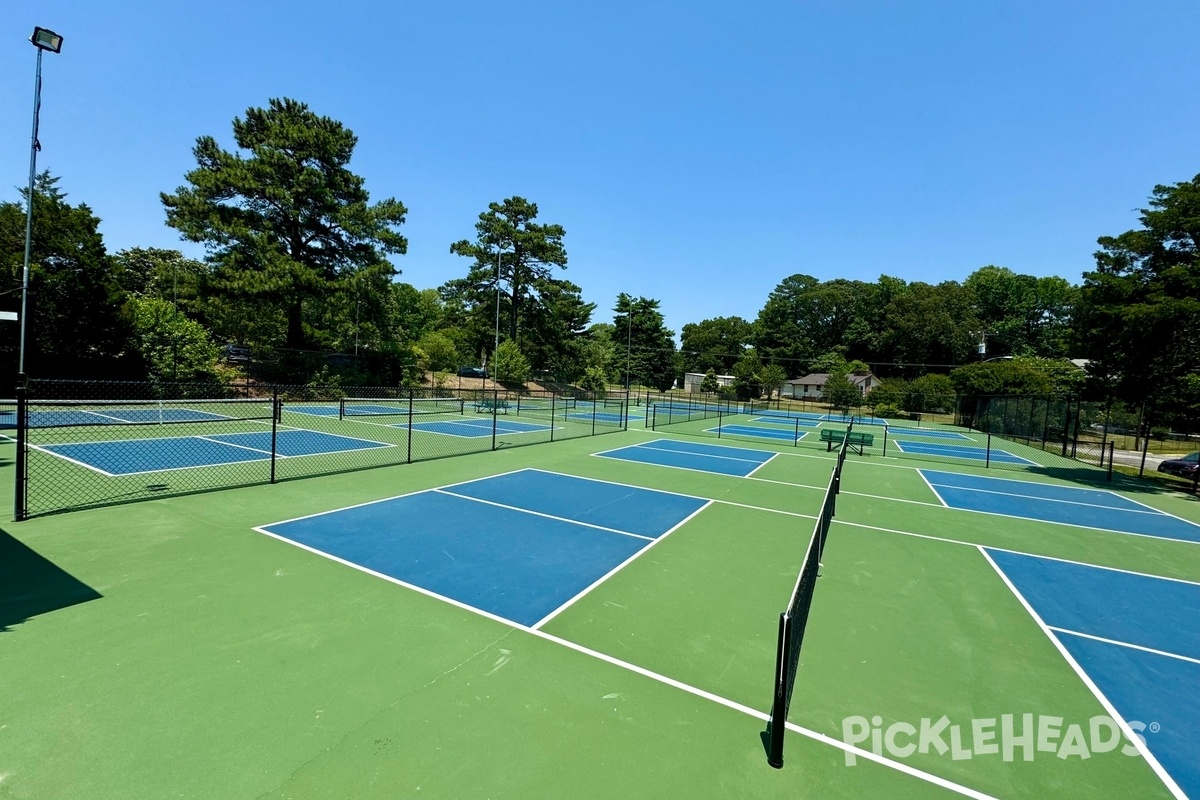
(377, 407)
(72, 413)
(793, 621)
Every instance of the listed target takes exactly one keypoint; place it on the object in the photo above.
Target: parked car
(472, 372)
(236, 353)
(1189, 471)
(1177, 466)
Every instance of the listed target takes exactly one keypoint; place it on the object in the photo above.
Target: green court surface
(166, 649)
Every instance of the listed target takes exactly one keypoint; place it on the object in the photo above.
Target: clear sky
(696, 152)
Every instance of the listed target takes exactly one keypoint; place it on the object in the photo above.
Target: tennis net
(73, 413)
(794, 619)
(383, 407)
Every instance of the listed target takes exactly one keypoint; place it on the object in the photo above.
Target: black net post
(553, 411)
(778, 724)
(651, 416)
(987, 456)
(885, 438)
(1112, 446)
(593, 417)
(20, 498)
(796, 434)
(720, 416)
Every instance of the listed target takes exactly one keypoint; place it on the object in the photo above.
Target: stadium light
(43, 39)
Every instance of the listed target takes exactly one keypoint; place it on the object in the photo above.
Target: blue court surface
(1110, 621)
(313, 411)
(719, 459)
(516, 546)
(929, 434)
(144, 415)
(960, 451)
(138, 456)
(600, 416)
(789, 422)
(474, 428)
(1092, 508)
(778, 434)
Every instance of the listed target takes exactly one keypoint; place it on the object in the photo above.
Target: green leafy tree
(714, 343)
(509, 366)
(643, 341)
(174, 347)
(931, 325)
(283, 218)
(594, 380)
(436, 351)
(1023, 315)
(77, 324)
(1138, 308)
(515, 252)
(747, 376)
(930, 393)
(840, 393)
(710, 384)
(773, 377)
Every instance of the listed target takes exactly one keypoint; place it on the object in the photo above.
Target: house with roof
(812, 386)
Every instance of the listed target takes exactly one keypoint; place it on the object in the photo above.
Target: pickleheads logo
(1005, 737)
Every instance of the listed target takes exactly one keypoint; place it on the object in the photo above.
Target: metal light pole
(42, 39)
(628, 343)
(496, 347)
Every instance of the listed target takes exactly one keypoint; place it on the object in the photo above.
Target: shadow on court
(1089, 476)
(32, 585)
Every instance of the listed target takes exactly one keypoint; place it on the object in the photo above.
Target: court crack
(472, 657)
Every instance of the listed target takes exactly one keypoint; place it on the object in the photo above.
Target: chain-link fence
(86, 444)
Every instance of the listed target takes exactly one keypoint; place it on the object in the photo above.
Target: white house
(693, 380)
(812, 386)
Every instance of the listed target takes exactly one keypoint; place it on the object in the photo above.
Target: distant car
(236, 353)
(1177, 466)
(472, 372)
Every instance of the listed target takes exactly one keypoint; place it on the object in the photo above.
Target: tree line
(297, 258)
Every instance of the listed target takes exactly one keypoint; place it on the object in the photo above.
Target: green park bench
(491, 406)
(858, 441)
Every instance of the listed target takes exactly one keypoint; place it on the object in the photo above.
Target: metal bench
(491, 406)
(857, 440)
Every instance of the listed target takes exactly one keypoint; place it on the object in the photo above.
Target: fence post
(20, 495)
(1111, 452)
(408, 455)
(495, 411)
(276, 413)
(988, 453)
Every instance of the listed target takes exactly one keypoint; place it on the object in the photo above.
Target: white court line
(935, 491)
(537, 625)
(1149, 510)
(1120, 643)
(393, 497)
(542, 514)
(630, 667)
(702, 444)
(1133, 738)
(760, 466)
(646, 446)
(667, 466)
(618, 483)
(239, 446)
(83, 464)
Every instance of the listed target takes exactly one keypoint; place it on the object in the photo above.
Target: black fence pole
(20, 495)
(408, 455)
(276, 413)
(1111, 453)
(495, 422)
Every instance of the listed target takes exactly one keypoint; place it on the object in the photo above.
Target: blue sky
(695, 152)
